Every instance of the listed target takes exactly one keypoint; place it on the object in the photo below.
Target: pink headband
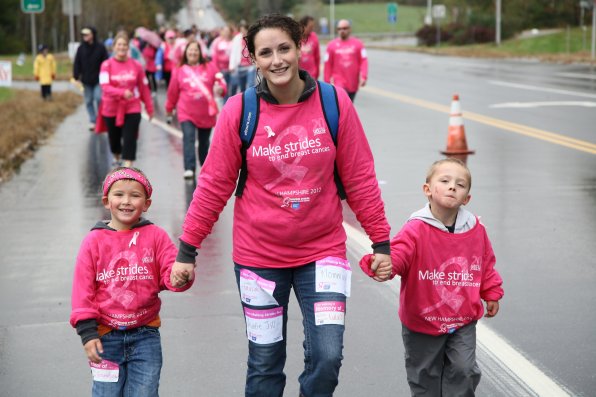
(127, 173)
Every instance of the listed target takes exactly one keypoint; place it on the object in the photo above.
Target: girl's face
(121, 48)
(126, 200)
(449, 187)
(192, 53)
(276, 56)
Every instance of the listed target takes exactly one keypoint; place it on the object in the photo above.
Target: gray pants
(442, 365)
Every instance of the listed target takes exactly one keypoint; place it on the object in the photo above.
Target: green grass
(368, 17)
(562, 42)
(5, 93)
(25, 72)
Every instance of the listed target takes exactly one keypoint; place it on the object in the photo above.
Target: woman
(123, 87)
(220, 52)
(287, 228)
(191, 92)
(310, 53)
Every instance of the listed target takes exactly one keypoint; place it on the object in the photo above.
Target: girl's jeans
(323, 344)
(138, 354)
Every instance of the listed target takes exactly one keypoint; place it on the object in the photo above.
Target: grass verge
(25, 71)
(27, 121)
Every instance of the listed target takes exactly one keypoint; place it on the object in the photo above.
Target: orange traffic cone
(456, 137)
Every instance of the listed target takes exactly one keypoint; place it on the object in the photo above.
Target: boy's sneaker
(189, 174)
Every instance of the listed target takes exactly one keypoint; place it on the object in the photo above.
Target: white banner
(5, 73)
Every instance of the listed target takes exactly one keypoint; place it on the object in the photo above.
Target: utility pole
(428, 19)
(332, 18)
(498, 23)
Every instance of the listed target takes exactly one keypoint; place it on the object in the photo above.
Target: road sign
(439, 11)
(392, 12)
(32, 6)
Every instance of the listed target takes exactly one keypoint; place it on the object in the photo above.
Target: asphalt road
(533, 186)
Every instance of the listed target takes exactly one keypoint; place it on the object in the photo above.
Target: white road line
(503, 354)
(525, 105)
(165, 126)
(543, 89)
(587, 76)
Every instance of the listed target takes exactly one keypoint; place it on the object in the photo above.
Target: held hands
(93, 349)
(182, 273)
(381, 266)
(492, 308)
(127, 94)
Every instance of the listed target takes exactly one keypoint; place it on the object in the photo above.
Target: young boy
(121, 267)
(446, 264)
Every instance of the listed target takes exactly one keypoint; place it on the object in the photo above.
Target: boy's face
(449, 187)
(126, 200)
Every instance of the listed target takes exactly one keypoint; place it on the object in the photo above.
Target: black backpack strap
(246, 130)
(330, 105)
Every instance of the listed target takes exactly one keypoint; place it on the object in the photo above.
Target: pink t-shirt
(444, 276)
(310, 55)
(118, 275)
(345, 63)
(115, 78)
(191, 93)
(290, 213)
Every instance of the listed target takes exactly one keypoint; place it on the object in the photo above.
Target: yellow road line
(547, 136)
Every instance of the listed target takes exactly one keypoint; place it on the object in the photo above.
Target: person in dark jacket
(90, 54)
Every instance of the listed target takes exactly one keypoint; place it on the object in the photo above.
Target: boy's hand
(181, 274)
(381, 266)
(492, 308)
(93, 349)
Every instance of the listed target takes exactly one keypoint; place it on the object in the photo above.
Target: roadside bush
(427, 35)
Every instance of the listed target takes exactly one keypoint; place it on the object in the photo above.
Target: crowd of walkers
(292, 148)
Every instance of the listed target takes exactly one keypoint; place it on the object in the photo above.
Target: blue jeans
(323, 344)
(138, 354)
(189, 135)
(92, 95)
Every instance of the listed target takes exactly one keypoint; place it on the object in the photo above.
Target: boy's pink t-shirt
(444, 276)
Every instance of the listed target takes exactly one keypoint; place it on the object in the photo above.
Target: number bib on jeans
(255, 290)
(264, 326)
(333, 275)
(105, 371)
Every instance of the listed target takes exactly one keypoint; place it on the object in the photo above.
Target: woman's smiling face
(276, 56)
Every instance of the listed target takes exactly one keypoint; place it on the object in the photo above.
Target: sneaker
(188, 174)
(116, 163)
(91, 126)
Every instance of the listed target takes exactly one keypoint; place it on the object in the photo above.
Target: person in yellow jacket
(44, 70)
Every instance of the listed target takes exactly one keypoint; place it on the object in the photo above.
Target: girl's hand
(93, 349)
(492, 308)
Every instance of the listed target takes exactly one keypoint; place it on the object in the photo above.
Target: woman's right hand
(127, 94)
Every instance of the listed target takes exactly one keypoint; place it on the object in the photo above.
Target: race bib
(105, 371)
(104, 78)
(330, 313)
(264, 326)
(333, 275)
(255, 290)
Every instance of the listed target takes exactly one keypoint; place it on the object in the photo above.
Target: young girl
(446, 264)
(123, 86)
(122, 265)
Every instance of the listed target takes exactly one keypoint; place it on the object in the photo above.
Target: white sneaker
(188, 174)
(91, 126)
